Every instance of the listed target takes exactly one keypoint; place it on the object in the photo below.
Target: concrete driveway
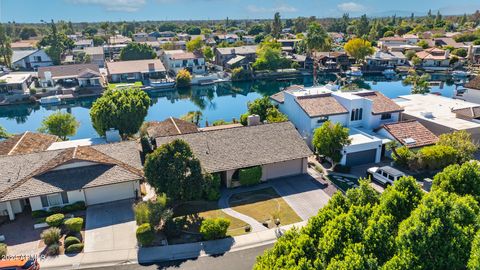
(303, 193)
(110, 226)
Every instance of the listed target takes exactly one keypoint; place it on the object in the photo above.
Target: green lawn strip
(195, 212)
(113, 86)
(262, 204)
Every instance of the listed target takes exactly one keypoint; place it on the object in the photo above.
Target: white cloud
(280, 8)
(351, 7)
(115, 5)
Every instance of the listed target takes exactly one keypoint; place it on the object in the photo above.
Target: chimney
(253, 120)
(232, 51)
(112, 135)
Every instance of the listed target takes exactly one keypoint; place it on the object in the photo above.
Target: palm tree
(193, 116)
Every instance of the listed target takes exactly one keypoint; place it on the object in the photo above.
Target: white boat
(389, 72)
(50, 100)
(354, 73)
(460, 73)
(162, 84)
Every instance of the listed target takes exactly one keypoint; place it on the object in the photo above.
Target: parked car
(385, 175)
(19, 264)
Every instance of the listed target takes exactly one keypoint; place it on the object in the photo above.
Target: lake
(221, 101)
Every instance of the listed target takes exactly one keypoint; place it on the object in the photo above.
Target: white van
(385, 175)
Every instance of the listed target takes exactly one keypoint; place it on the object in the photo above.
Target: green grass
(195, 212)
(343, 185)
(113, 86)
(262, 205)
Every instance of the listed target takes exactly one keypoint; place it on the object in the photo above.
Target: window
(322, 119)
(37, 58)
(391, 177)
(54, 199)
(356, 114)
(386, 116)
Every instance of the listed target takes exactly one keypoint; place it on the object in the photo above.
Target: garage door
(362, 157)
(282, 169)
(110, 193)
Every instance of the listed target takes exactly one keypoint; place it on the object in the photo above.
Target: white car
(385, 175)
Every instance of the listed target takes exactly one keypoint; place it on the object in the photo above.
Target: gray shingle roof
(233, 148)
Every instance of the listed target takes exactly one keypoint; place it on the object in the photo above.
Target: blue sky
(118, 10)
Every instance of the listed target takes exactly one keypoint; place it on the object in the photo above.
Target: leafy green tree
(208, 53)
(6, 51)
(194, 30)
(123, 110)
(28, 32)
(193, 117)
(420, 84)
(168, 26)
(260, 106)
(362, 26)
(60, 124)
(460, 179)
(98, 41)
(474, 261)
(137, 51)
(359, 48)
(241, 74)
(214, 228)
(330, 139)
(255, 29)
(90, 31)
(423, 44)
(56, 44)
(174, 170)
(461, 141)
(276, 25)
(317, 38)
(269, 57)
(194, 44)
(183, 79)
(275, 116)
(3, 133)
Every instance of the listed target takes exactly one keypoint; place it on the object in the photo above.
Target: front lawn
(343, 182)
(191, 215)
(118, 86)
(264, 205)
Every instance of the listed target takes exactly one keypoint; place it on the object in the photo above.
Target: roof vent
(409, 141)
(427, 114)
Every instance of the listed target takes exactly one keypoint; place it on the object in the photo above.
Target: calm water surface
(222, 101)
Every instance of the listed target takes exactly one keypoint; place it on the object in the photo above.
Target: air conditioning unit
(427, 114)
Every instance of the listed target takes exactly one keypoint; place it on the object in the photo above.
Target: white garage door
(110, 193)
(282, 169)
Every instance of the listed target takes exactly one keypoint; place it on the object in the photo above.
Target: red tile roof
(414, 130)
(320, 105)
(26, 143)
(474, 83)
(381, 103)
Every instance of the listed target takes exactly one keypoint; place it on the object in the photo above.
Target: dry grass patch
(264, 205)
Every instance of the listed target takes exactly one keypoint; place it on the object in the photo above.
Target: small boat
(162, 84)
(389, 72)
(460, 73)
(354, 73)
(50, 100)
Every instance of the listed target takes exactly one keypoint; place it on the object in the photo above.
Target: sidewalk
(166, 253)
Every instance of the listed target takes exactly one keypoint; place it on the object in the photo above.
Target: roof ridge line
(175, 125)
(18, 142)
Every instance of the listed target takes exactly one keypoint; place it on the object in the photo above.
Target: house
(444, 42)
(223, 55)
(167, 34)
(386, 42)
(112, 51)
(83, 43)
(78, 75)
(277, 148)
(337, 37)
(473, 53)
(92, 174)
(30, 59)
(441, 114)
(119, 39)
(96, 54)
(135, 70)
(382, 60)
(303, 61)
(176, 60)
(411, 134)
(289, 42)
(249, 39)
(332, 61)
(169, 127)
(404, 48)
(174, 44)
(411, 38)
(434, 59)
(15, 83)
(21, 45)
(361, 111)
(228, 38)
(26, 143)
(142, 37)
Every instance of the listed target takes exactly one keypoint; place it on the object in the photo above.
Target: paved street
(237, 260)
(110, 226)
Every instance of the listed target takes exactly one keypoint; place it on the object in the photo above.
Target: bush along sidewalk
(69, 230)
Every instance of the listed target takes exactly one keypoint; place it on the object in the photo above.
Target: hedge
(74, 224)
(214, 228)
(71, 240)
(77, 206)
(145, 234)
(74, 248)
(40, 213)
(250, 176)
(55, 220)
(3, 250)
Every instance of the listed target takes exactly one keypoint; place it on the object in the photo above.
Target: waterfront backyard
(221, 101)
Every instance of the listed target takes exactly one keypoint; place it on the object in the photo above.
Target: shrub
(436, 157)
(244, 119)
(3, 250)
(183, 78)
(56, 209)
(145, 234)
(68, 208)
(74, 224)
(152, 211)
(214, 228)
(403, 156)
(173, 228)
(53, 249)
(51, 236)
(79, 206)
(71, 240)
(74, 248)
(240, 74)
(212, 186)
(55, 220)
(250, 176)
(39, 213)
(142, 213)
